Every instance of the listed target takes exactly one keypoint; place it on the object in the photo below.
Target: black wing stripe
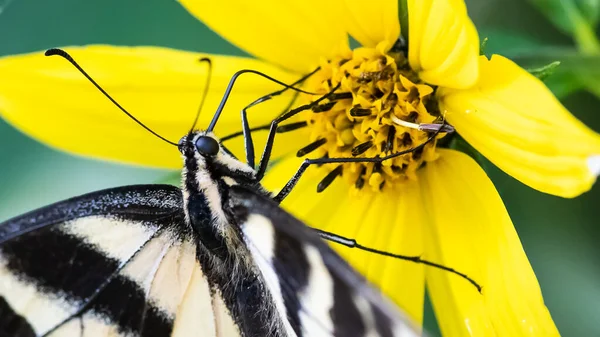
(64, 267)
(79, 275)
(259, 235)
(292, 260)
(354, 300)
(382, 323)
(143, 299)
(123, 303)
(345, 310)
(57, 263)
(13, 324)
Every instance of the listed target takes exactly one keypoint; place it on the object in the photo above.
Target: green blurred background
(560, 236)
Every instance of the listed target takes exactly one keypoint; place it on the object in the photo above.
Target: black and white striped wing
(118, 262)
(320, 294)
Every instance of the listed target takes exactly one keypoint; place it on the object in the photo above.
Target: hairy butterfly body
(217, 257)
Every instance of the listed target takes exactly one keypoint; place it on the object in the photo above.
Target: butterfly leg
(246, 131)
(285, 191)
(266, 155)
(351, 243)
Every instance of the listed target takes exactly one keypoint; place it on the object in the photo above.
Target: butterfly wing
(118, 262)
(318, 291)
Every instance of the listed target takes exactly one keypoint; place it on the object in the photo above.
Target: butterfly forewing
(119, 262)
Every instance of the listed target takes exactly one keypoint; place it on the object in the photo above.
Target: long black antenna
(212, 124)
(205, 92)
(66, 56)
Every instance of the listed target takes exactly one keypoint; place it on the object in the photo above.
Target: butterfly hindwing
(320, 293)
(119, 262)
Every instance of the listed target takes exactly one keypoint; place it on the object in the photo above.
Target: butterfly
(216, 257)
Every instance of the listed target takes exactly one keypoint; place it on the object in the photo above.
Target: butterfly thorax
(206, 181)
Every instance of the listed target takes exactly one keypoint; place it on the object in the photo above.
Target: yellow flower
(437, 203)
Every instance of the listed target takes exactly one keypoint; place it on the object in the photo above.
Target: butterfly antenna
(65, 55)
(205, 92)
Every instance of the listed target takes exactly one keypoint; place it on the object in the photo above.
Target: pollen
(380, 108)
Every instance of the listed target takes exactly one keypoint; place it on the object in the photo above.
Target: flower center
(380, 108)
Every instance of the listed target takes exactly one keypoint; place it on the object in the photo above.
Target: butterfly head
(202, 150)
(208, 167)
(204, 144)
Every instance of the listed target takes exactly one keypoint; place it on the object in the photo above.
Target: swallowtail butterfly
(216, 257)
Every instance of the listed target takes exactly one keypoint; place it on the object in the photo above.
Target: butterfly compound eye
(207, 146)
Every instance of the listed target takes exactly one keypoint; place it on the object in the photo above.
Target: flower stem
(586, 39)
(583, 33)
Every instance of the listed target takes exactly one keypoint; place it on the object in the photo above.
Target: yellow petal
(470, 231)
(50, 100)
(292, 34)
(515, 121)
(388, 221)
(443, 44)
(372, 22)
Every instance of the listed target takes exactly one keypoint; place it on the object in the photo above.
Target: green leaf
(590, 9)
(577, 18)
(544, 71)
(576, 71)
(483, 46)
(591, 83)
(565, 13)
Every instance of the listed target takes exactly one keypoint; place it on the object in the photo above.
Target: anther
(357, 111)
(391, 100)
(329, 179)
(377, 168)
(360, 182)
(416, 155)
(397, 169)
(413, 94)
(389, 144)
(323, 107)
(412, 116)
(291, 127)
(311, 147)
(361, 148)
(341, 95)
